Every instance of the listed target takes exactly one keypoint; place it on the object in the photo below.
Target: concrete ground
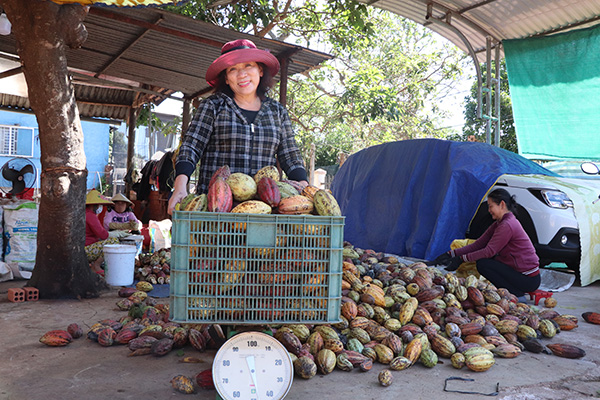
(30, 370)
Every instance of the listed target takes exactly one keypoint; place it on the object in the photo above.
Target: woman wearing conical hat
(95, 234)
(121, 216)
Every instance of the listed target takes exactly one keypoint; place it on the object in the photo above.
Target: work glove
(453, 263)
(117, 234)
(442, 259)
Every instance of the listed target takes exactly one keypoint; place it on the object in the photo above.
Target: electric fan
(18, 176)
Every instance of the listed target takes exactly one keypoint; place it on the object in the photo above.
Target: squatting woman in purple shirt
(504, 253)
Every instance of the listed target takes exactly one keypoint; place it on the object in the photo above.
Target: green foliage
(477, 127)
(380, 89)
(147, 117)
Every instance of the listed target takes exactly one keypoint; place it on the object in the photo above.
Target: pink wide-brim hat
(238, 51)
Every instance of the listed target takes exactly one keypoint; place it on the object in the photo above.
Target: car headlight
(556, 199)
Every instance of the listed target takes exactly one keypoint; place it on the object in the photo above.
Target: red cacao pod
(268, 191)
(220, 198)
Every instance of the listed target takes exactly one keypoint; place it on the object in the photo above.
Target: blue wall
(95, 143)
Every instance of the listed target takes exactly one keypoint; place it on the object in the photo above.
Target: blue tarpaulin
(413, 198)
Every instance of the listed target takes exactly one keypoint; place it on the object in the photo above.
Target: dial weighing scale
(252, 366)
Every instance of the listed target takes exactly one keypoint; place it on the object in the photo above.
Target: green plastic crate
(255, 268)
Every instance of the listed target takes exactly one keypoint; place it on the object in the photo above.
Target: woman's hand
(442, 259)
(453, 263)
(179, 192)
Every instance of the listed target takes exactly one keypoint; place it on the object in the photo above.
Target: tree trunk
(43, 30)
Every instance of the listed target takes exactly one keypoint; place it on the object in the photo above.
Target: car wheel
(480, 222)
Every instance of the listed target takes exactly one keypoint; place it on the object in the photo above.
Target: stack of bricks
(18, 295)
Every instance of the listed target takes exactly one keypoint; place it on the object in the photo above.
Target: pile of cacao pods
(392, 313)
(264, 193)
(399, 315)
(153, 267)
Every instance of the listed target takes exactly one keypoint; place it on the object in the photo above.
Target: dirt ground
(30, 370)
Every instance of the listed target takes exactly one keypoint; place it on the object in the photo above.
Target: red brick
(16, 295)
(31, 293)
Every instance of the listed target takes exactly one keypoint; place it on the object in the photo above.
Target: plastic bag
(20, 237)
(160, 234)
(5, 272)
(467, 268)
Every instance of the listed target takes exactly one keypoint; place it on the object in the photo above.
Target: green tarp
(555, 90)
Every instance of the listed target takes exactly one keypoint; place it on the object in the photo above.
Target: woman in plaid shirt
(238, 125)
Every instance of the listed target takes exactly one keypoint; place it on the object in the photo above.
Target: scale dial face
(252, 366)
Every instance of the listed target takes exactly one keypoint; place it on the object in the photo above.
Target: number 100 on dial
(252, 366)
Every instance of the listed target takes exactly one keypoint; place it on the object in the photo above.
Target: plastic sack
(5, 272)
(20, 237)
(160, 234)
(467, 268)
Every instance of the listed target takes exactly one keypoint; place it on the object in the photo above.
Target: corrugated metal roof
(151, 52)
(500, 19)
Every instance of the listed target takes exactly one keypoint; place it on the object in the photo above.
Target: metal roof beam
(567, 27)
(86, 79)
(455, 14)
(474, 6)
(11, 72)
(130, 45)
(101, 12)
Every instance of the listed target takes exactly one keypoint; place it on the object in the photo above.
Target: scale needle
(252, 368)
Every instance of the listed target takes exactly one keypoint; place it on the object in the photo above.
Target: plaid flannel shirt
(219, 134)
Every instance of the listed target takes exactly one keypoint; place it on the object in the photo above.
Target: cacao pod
(309, 191)
(525, 332)
(325, 361)
(366, 365)
(286, 190)
(534, 346)
(480, 362)
(125, 335)
(565, 324)
(305, 367)
(56, 338)
(400, 363)
(75, 331)
(315, 343)
(428, 358)
(442, 346)
(268, 191)
(220, 197)
(384, 353)
(566, 350)
(222, 172)
(252, 207)
(506, 351)
(161, 347)
(141, 343)
(243, 187)
(457, 360)
(385, 378)
(325, 204)
(475, 295)
(106, 336)
(413, 350)
(295, 205)
(182, 384)
(270, 171)
(591, 317)
(343, 363)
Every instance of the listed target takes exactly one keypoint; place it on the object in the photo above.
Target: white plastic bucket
(120, 264)
(134, 240)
